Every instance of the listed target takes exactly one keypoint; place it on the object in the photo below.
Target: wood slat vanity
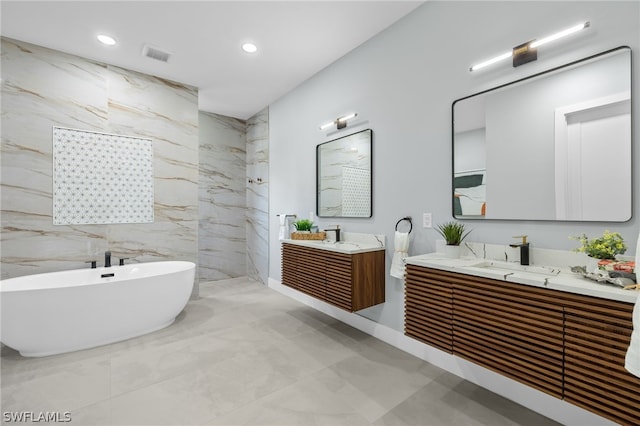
(350, 281)
(570, 346)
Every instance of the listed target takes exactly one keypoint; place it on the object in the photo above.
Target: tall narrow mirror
(554, 146)
(343, 176)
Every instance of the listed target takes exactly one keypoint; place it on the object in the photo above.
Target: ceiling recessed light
(249, 47)
(105, 39)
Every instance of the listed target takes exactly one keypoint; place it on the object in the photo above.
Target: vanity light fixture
(527, 52)
(249, 47)
(340, 122)
(106, 39)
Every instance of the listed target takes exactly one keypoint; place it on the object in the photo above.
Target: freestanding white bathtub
(59, 312)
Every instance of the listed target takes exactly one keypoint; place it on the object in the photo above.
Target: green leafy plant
(453, 232)
(607, 246)
(303, 225)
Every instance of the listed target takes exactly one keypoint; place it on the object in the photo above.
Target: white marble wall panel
(258, 196)
(42, 88)
(222, 240)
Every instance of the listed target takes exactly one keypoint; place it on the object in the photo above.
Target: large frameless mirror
(343, 176)
(554, 146)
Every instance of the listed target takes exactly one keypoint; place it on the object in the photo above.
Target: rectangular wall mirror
(343, 176)
(554, 146)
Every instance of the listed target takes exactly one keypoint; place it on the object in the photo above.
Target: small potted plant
(453, 234)
(303, 225)
(602, 250)
(303, 231)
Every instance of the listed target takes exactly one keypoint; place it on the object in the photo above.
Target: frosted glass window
(100, 178)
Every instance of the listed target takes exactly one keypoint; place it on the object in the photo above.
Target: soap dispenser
(524, 249)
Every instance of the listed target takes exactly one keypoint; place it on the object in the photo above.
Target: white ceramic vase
(452, 252)
(592, 264)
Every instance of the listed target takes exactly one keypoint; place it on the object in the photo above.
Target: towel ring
(408, 218)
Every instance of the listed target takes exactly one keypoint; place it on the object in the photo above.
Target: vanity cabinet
(429, 307)
(348, 281)
(597, 335)
(510, 328)
(567, 345)
(505, 327)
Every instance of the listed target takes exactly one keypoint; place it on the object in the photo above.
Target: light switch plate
(426, 220)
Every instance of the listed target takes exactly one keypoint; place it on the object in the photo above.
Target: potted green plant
(304, 231)
(303, 225)
(606, 248)
(453, 233)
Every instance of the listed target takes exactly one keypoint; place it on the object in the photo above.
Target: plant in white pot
(453, 234)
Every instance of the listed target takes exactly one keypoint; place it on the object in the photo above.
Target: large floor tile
(306, 402)
(450, 400)
(242, 354)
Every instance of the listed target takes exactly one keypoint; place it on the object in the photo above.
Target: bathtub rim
(33, 282)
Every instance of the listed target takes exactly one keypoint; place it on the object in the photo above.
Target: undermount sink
(509, 268)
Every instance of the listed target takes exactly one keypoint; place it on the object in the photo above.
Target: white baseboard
(538, 401)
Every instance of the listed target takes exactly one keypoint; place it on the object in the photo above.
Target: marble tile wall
(222, 235)
(258, 196)
(42, 88)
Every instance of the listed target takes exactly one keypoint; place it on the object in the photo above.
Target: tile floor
(243, 354)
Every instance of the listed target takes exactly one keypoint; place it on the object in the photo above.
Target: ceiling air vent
(155, 53)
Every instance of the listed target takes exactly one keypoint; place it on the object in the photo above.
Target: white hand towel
(401, 242)
(283, 226)
(632, 360)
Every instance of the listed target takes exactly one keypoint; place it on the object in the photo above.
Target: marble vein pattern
(222, 199)
(258, 196)
(243, 354)
(42, 88)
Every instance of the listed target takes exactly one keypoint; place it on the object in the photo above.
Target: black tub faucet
(337, 231)
(107, 259)
(524, 249)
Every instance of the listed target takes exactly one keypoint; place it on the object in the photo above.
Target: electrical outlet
(426, 220)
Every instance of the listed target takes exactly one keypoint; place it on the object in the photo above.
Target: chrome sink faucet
(337, 231)
(524, 249)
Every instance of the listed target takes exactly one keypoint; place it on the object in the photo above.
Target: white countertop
(351, 243)
(553, 278)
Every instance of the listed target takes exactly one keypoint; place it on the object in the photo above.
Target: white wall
(470, 151)
(402, 84)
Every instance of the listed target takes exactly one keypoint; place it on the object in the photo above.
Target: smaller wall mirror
(343, 176)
